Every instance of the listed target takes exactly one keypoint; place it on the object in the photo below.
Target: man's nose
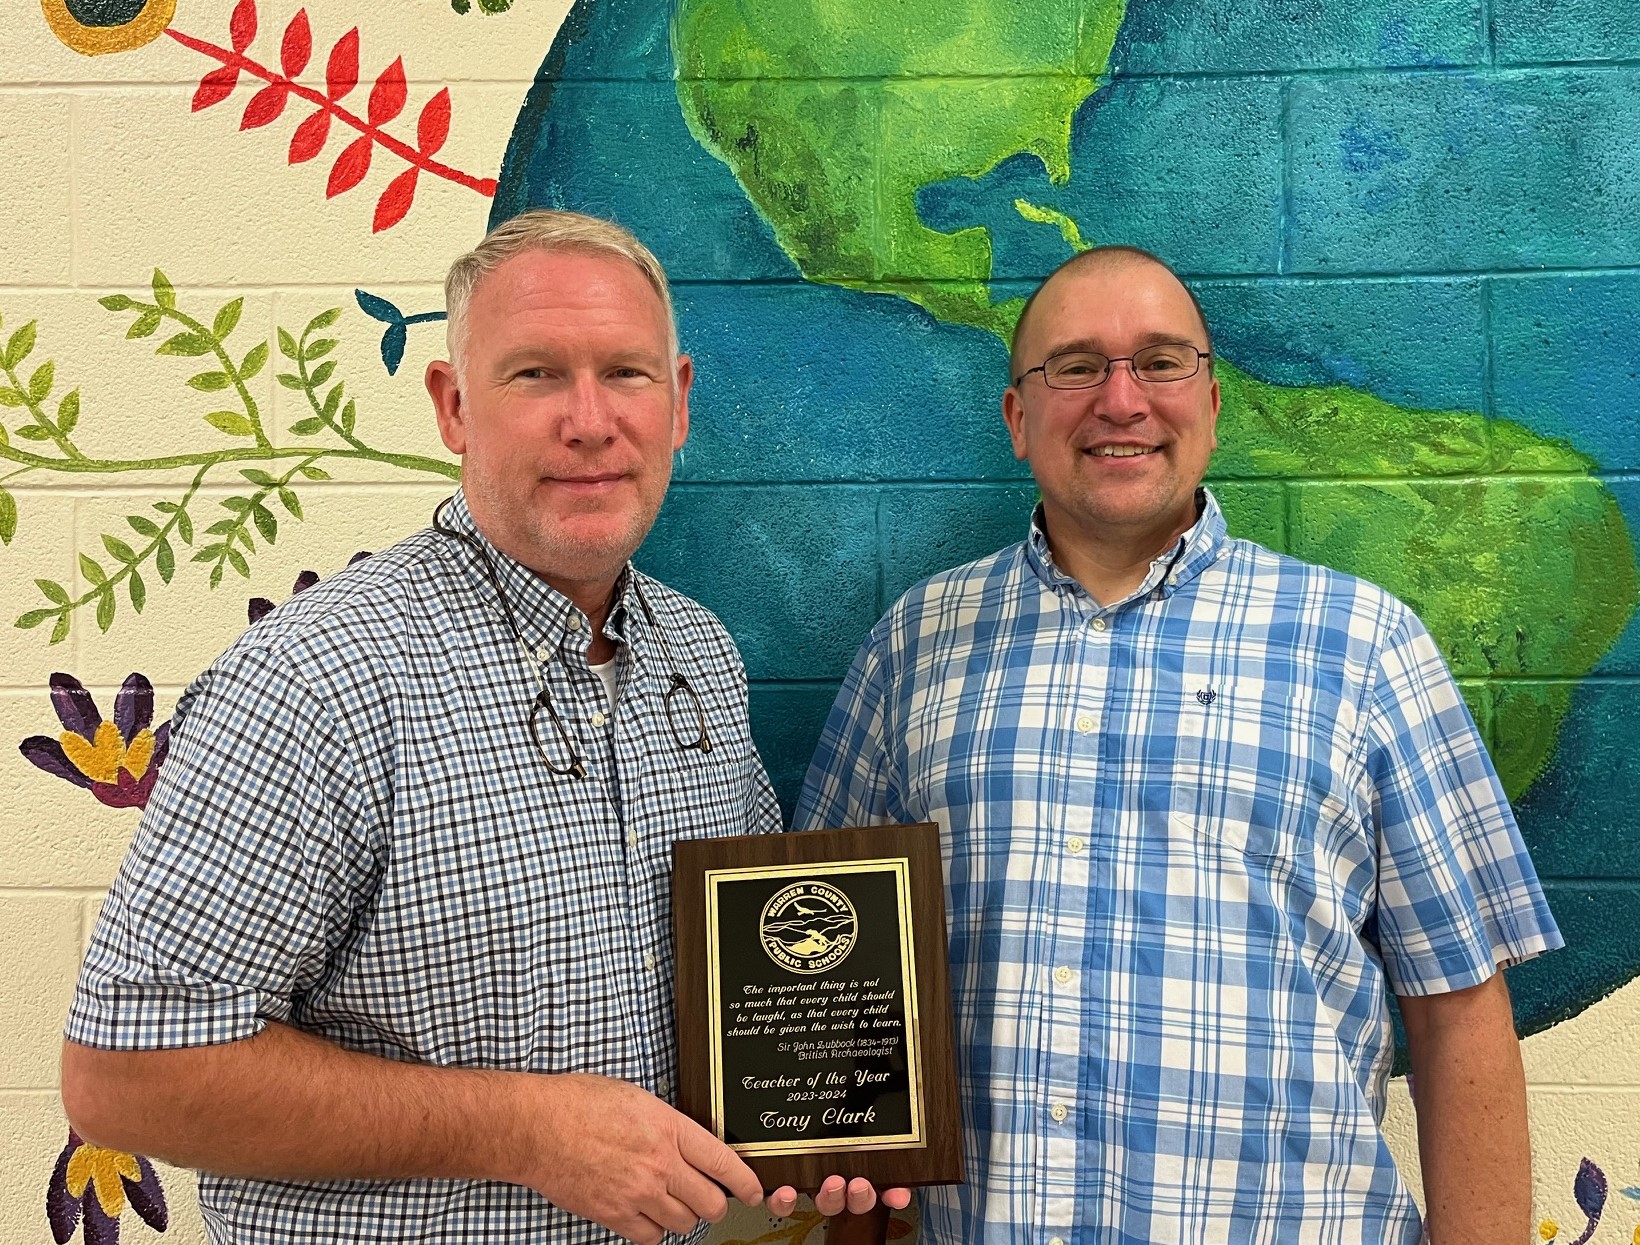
(1123, 395)
(588, 418)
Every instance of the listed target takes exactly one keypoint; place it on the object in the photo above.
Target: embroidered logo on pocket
(1207, 696)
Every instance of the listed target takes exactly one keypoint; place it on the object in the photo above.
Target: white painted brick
(35, 243)
(40, 935)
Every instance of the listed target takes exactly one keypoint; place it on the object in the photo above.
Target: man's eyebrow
(1086, 345)
(537, 355)
(522, 354)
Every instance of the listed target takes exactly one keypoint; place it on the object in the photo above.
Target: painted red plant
(388, 96)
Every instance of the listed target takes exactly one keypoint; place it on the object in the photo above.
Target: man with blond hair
(389, 957)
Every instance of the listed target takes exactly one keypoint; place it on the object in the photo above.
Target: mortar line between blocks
(74, 191)
(1488, 367)
(52, 892)
(74, 580)
(1284, 224)
(404, 288)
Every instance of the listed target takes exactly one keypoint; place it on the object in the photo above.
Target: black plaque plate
(813, 1005)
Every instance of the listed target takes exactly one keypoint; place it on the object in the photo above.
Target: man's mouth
(1121, 451)
(590, 477)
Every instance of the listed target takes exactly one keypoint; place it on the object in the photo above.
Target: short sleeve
(245, 874)
(848, 780)
(1458, 897)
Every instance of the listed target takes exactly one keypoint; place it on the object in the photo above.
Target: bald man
(1204, 807)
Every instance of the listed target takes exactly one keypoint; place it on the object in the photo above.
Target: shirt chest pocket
(1252, 769)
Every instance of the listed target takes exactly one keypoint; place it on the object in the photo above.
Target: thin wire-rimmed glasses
(690, 735)
(1086, 369)
(685, 718)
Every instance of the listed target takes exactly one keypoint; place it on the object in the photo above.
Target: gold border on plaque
(900, 866)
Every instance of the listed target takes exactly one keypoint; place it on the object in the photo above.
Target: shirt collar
(548, 622)
(1181, 562)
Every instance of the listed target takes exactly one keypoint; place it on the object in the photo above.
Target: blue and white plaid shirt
(355, 834)
(1189, 840)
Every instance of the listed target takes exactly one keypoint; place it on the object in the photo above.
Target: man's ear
(445, 391)
(1213, 427)
(1013, 414)
(680, 403)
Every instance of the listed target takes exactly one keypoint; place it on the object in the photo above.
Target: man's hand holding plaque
(813, 1010)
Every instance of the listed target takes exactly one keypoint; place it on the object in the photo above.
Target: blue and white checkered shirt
(355, 834)
(1189, 840)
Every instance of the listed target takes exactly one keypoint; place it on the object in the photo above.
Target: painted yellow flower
(93, 1185)
(116, 760)
(1548, 1230)
(97, 29)
(102, 1170)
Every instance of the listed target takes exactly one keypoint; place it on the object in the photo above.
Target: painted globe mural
(853, 197)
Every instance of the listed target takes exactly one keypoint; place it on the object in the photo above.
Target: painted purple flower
(260, 607)
(96, 1184)
(116, 761)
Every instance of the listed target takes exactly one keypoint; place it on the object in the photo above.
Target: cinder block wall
(1432, 205)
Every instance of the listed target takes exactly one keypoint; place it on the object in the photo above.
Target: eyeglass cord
(543, 699)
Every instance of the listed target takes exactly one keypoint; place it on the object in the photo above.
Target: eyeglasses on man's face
(1154, 365)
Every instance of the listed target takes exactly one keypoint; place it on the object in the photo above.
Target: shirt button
(574, 622)
(543, 654)
(1059, 1112)
(1062, 975)
(598, 718)
(1075, 845)
(1054, 1240)
(632, 838)
(1084, 724)
(648, 960)
(1098, 624)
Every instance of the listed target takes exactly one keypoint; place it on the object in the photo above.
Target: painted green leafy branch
(45, 442)
(484, 6)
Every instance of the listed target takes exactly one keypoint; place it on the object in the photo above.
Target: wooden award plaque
(813, 1003)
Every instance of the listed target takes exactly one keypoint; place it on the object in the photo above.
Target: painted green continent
(1515, 557)
(832, 114)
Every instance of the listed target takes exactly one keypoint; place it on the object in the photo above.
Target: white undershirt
(606, 672)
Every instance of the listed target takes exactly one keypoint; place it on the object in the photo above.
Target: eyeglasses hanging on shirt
(685, 714)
